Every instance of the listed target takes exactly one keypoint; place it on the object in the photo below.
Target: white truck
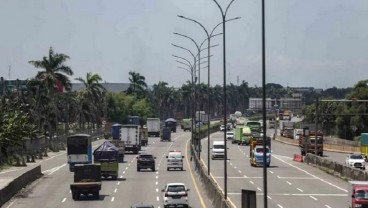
(153, 126)
(358, 194)
(130, 135)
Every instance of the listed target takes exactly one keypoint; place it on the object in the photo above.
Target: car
(175, 195)
(218, 150)
(355, 161)
(175, 160)
(222, 128)
(142, 206)
(229, 135)
(229, 126)
(145, 161)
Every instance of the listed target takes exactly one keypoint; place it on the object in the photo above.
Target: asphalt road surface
(132, 187)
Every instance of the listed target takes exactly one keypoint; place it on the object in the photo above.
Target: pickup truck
(87, 180)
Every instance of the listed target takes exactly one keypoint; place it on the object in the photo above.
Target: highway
(290, 183)
(132, 187)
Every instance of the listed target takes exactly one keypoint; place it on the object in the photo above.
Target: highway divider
(17, 184)
(336, 168)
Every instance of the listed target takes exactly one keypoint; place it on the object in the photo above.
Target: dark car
(142, 206)
(146, 161)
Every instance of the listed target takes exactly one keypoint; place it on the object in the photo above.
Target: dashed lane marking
(112, 199)
(315, 199)
(299, 189)
(63, 200)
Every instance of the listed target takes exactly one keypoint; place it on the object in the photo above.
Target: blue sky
(310, 43)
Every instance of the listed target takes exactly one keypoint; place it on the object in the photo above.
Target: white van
(218, 150)
(175, 160)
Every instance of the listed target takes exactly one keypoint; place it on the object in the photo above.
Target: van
(175, 160)
(218, 150)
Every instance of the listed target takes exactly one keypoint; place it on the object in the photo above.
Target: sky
(312, 43)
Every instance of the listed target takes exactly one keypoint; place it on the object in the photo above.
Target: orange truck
(308, 144)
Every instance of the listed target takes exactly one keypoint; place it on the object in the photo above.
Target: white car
(175, 195)
(175, 160)
(229, 135)
(222, 128)
(355, 161)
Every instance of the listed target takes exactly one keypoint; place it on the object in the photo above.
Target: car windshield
(361, 194)
(230, 133)
(260, 150)
(146, 156)
(176, 188)
(358, 157)
(175, 156)
(218, 146)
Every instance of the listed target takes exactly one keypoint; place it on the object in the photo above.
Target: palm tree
(138, 84)
(92, 97)
(54, 71)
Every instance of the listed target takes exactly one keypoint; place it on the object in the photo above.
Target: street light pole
(209, 36)
(223, 14)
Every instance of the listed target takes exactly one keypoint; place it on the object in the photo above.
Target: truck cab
(358, 194)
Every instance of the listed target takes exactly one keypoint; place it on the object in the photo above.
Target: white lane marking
(234, 177)
(251, 182)
(239, 171)
(271, 172)
(313, 198)
(327, 206)
(123, 172)
(70, 191)
(245, 176)
(269, 197)
(158, 198)
(121, 176)
(156, 172)
(63, 200)
(288, 183)
(231, 164)
(301, 178)
(115, 190)
(235, 167)
(287, 194)
(156, 183)
(156, 189)
(126, 168)
(112, 199)
(259, 189)
(11, 204)
(156, 177)
(299, 189)
(306, 172)
(280, 206)
(118, 183)
(53, 170)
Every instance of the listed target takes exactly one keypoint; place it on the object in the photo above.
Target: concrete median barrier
(15, 185)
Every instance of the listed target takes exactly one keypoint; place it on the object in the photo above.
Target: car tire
(138, 169)
(168, 169)
(153, 169)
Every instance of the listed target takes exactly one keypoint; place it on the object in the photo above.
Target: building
(293, 104)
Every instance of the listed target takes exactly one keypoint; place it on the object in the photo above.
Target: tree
(138, 84)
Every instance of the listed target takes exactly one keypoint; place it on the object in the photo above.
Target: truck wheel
(138, 169)
(75, 196)
(96, 195)
(168, 169)
(153, 169)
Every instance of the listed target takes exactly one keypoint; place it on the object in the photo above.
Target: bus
(79, 150)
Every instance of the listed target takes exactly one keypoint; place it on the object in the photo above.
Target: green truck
(186, 124)
(107, 156)
(364, 145)
(242, 135)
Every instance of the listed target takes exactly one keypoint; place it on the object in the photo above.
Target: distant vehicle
(229, 135)
(242, 135)
(142, 206)
(358, 194)
(115, 131)
(175, 160)
(222, 128)
(355, 161)
(121, 147)
(131, 137)
(133, 120)
(79, 150)
(308, 144)
(153, 126)
(87, 180)
(146, 161)
(364, 144)
(218, 150)
(166, 134)
(187, 124)
(170, 122)
(257, 151)
(229, 126)
(175, 194)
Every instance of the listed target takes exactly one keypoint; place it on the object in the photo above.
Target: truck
(255, 126)
(121, 147)
(87, 180)
(153, 126)
(242, 135)
(357, 194)
(186, 124)
(364, 145)
(240, 121)
(115, 131)
(287, 129)
(201, 117)
(166, 134)
(130, 135)
(308, 143)
(143, 134)
(256, 151)
(171, 123)
(79, 150)
(107, 156)
(286, 115)
(107, 130)
(133, 120)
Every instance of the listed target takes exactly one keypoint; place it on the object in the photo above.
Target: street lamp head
(181, 16)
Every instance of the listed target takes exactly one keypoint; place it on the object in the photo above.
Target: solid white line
(310, 174)
(313, 198)
(63, 200)
(299, 189)
(112, 199)
(279, 206)
(115, 190)
(302, 178)
(288, 194)
(11, 204)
